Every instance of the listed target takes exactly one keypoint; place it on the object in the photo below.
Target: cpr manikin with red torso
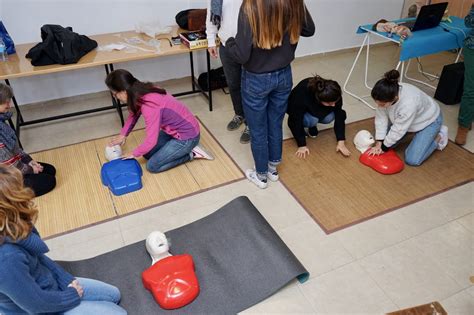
(171, 279)
(386, 163)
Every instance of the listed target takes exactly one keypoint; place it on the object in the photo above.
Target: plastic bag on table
(7, 39)
(134, 42)
(152, 28)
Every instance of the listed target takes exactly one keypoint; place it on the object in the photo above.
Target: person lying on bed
(316, 100)
(30, 282)
(172, 131)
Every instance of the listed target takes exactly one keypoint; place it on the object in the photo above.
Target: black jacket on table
(259, 60)
(59, 45)
(302, 101)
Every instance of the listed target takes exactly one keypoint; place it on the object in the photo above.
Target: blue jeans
(423, 143)
(311, 121)
(169, 152)
(265, 99)
(99, 298)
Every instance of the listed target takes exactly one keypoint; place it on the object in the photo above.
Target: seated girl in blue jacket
(30, 282)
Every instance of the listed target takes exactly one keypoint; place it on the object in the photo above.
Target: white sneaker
(443, 137)
(273, 176)
(200, 153)
(252, 176)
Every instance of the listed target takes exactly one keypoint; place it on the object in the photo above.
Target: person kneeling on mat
(172, 131)
(316, 100)
(30, 282)
(403, 108)
(38, 176)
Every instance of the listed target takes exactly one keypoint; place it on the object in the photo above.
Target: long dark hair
(122, 80)
(387, 88)
(325, 90)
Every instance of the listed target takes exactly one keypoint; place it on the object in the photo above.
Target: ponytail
(325, 90)
(387, 88)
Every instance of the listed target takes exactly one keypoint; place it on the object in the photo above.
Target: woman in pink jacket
(172, 131)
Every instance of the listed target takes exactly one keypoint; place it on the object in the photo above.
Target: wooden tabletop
(18, 66)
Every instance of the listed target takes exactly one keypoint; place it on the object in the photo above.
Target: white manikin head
(113, 152)
(363, 140)
(157, 246)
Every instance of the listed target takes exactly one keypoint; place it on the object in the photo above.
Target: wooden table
(18, 66)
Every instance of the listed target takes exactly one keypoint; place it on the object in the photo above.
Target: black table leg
(191, 61)
(208, 60)
(10, 122)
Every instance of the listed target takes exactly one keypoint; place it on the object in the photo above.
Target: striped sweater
(16, 156)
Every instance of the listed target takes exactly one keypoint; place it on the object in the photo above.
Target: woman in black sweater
(316, 100)
(268, 32)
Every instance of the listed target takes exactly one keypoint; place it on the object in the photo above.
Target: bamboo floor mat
(80, 199)
(338, 192)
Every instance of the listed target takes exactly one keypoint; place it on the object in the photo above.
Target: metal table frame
(195, 88)
(403, 71)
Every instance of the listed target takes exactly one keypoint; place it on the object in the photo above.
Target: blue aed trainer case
(122, 176)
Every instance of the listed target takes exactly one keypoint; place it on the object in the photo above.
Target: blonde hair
(18, 213)
(271, 19)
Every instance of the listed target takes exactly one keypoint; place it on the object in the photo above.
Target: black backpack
(192, 19)
(218, 80)
(450, 84)
(60, 45)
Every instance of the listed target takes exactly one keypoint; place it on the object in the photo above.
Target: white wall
(336, 23)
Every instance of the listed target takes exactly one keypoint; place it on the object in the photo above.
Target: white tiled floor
(407, 275)
(348, 289)
(418, 254)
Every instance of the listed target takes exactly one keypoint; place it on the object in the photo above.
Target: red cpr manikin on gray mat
(171, 279)
(239, 261)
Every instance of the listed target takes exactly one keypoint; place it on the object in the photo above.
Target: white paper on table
(111, 47)
(116, 46)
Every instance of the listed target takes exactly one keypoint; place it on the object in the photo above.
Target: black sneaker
(245, 136)
(312, 132)
(235, 123)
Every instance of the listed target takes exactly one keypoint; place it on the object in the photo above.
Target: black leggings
(43, 182)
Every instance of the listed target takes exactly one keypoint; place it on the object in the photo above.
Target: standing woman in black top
(267, 34)
(316, 100)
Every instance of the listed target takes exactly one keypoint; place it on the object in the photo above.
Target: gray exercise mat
(239, 260)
